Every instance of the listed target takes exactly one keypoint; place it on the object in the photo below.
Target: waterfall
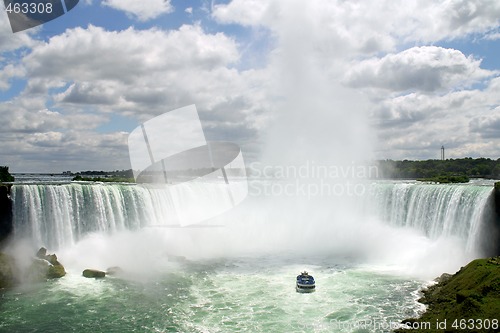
(60, 215)
(437, 210)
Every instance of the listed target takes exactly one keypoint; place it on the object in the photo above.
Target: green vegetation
(450, 170)
(5, 176)
(467, 300)
(117, 173)
(446, 179)
(104, 179)
(117, 176)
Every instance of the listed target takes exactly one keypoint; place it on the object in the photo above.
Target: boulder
(45, 266)
(93, 273)
(42, 253)
(37, 271)
(41, 270)
(55, 272)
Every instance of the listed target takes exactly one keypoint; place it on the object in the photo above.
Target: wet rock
(37, 271)
(45, 267)
(42, 253)
(93, 273)
(55, 272)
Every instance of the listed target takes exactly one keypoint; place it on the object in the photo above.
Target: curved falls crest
(61, 215)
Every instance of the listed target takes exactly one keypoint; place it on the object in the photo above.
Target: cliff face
(497, 198)
(5, 212)
(468, 301)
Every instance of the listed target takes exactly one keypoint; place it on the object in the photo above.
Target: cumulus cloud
(415, 125)
(487, 125)
(143, 11)
(37, 140)
(144, 73)
(95, 53)
(10, 41)
(376, 25)
(425, 96)
(244, 12)
(427, 68)
(416, 89)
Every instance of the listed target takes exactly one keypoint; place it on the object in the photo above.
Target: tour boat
(305, 283)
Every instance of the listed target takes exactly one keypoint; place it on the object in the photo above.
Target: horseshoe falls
(369, 259)
(61, 215)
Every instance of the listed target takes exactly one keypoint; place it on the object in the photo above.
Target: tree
(5, 176)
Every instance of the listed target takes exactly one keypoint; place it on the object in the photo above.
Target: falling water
(60, 215)
(437, 210)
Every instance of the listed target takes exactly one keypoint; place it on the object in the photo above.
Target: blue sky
(389, 79)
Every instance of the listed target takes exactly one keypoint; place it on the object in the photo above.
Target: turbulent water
(225, 295)
(239, 278)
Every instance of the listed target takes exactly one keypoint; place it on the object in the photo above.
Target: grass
(469, 297)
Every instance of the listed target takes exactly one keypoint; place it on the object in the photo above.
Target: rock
(443, 278)
(41, 270)
(7, 271)
(42, 253)
(494, 260)
(93, 273)
(45, 267)
(37, 271)
(52, 258)
(55, 272)
(115, 270)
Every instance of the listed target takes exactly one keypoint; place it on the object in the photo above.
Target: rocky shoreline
(467, 301)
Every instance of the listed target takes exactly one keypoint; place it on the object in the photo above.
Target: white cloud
(414, 126)
(140, 74)
(424, 96)
(487, 125)
(318, 42)
(492, 36)
(35, 140)
(371, 25)
(8, 72)
(94, 53)
(427, 68)
(245, 12)
(10, 41)
(143, 11)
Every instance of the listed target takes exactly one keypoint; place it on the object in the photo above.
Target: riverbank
(468, 301)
